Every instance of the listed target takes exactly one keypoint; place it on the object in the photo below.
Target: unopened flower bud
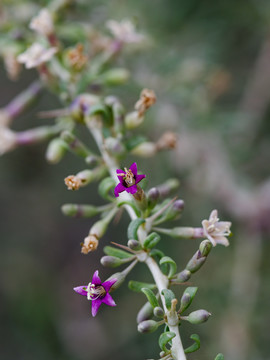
(198, 316)
(196, 262)
(90, 244)
(148, 326)
(185, 301)
(5, 118)
(134, 244)
(114, 146)
(74, 144)
(133, 120)
(145, 149)
(55, 151)
(116, 76)
(120, 276)
(158, 312)
(205, 247)
(145, 313)
(111, 261)
(82, 104)
(78, 210)
(183, 276)
(175, 210)
(168, 187)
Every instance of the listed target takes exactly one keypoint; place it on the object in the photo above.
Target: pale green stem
(161, 280)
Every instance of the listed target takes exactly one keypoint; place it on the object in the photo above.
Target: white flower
(7, 140)
(42, 23)
(215, 230)
(36, 55)
(124, 31)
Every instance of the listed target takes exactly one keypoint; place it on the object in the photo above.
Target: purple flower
(128, 180)
(97, 292)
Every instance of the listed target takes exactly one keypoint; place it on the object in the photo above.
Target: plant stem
(161, 280)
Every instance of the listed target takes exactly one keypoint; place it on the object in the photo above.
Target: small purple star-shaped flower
(128, 180)
(97, 292)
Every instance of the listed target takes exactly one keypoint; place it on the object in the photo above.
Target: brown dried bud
(73, 182)
(167, 141)
(147, 99)
(90, 244)
(76, 57)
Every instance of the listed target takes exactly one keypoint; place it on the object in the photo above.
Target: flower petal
(139, 178)
(95, 306)
(108, 284)
(81, 290)
(118, 189)
(222, 240)
(133, 168)
(132, 189)
(108, 300)
(120, 171)
(96, 279)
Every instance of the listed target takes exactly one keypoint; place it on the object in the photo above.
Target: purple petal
(118, 189)
(108, 300)
(95, 306)
(139, 178)
(96, 279)
(81, 290)
(108, 284)
(121, 179)
(120, 171)
(133, 168)
(132, 189)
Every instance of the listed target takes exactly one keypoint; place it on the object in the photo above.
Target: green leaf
(171, 263)
(151, 297)
(151, 240)
(131, 204)
(219, 357)
(169, 296)
(164, 339)
(137, 285)
(157, 253)
(133, 228)
(121, 254)
(195, 346)
(99, 109)
(105, 187)
(187, 298)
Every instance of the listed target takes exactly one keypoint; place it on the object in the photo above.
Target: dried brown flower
(90, 244)
(147, 99)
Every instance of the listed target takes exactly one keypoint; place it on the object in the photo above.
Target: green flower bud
(116, 76)
(134, 244)
(114, 146)
(185, 301)
(148, 326)
(79, 210)
(183, 276)
(145, 149)
(196, 262)
(168, 187)
(55, 150)
(152, 197)
(112, 261)
(74, 144)
(198, 316)
(145, 313)
(133, 120)
(158, 312)
(205, 247)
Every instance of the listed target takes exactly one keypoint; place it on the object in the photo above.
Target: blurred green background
(209, 64)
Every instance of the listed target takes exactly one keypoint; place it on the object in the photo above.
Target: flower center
(129, 177)
(95, 291)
